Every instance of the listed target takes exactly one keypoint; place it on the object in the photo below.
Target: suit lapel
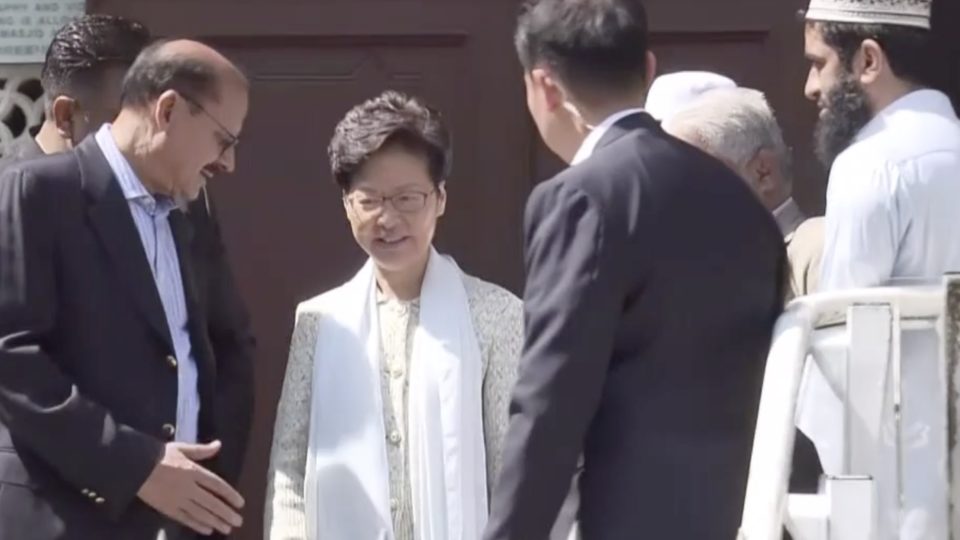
(183, 234)
(110, 215)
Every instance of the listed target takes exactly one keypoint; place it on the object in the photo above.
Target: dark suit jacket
(228, 326)
(654, 278)
(228, 322)
(88, 395)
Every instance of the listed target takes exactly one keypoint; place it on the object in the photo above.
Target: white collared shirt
(593, 138)
(788, 217)
(893, 200)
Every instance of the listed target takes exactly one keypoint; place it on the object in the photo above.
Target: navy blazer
(88, 385)
(654, 278)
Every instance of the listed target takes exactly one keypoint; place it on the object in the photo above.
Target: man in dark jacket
(648, 315)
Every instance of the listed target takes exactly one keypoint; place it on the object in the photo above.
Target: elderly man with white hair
(738, 127)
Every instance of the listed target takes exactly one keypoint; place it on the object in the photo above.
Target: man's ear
(347, 207)
(544, 82)
(441, 198)
(871, 61)
(62, 112)
(651, 67)
(762, 171)
(163, 109)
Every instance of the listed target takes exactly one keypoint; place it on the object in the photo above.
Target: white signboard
(27, 27)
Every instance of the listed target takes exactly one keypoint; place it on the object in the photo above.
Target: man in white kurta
(893, 214)
(893, 199)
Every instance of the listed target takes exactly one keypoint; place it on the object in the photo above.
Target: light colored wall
(15, 97)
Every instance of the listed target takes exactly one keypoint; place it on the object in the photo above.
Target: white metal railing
(770, 465)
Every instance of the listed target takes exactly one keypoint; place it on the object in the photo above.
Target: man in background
(738, 127)
(81, 78)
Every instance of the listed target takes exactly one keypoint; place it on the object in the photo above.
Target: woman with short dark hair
(395, 400)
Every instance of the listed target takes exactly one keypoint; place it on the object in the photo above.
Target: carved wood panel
(21, 103)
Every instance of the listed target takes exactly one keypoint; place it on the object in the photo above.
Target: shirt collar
(780, 210)
(788, 217)
(593, 138)
(925, 101)
(131, 185)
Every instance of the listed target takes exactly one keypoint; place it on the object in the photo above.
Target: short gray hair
(732, 124)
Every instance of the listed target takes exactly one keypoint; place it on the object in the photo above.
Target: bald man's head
(185, 104)
(188, 67)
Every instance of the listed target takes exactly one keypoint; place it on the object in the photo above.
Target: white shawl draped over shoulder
(347, 483)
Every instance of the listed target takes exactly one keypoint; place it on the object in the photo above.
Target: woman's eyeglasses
(405, 202)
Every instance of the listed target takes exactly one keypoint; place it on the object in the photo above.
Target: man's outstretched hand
(186, 492)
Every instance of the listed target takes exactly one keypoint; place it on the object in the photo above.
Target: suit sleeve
(39, 403)
(232, 341)
(572, 304)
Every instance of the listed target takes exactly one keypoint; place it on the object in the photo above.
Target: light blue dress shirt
(150, 215)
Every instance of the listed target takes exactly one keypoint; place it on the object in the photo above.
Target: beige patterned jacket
(498, 321)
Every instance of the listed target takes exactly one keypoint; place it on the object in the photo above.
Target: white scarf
(347, 478)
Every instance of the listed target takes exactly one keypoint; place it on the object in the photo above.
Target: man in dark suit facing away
(108, 378)
(654, 278)
(82, 77)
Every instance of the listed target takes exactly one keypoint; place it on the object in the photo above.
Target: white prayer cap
(914, 13)
(674, 92)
